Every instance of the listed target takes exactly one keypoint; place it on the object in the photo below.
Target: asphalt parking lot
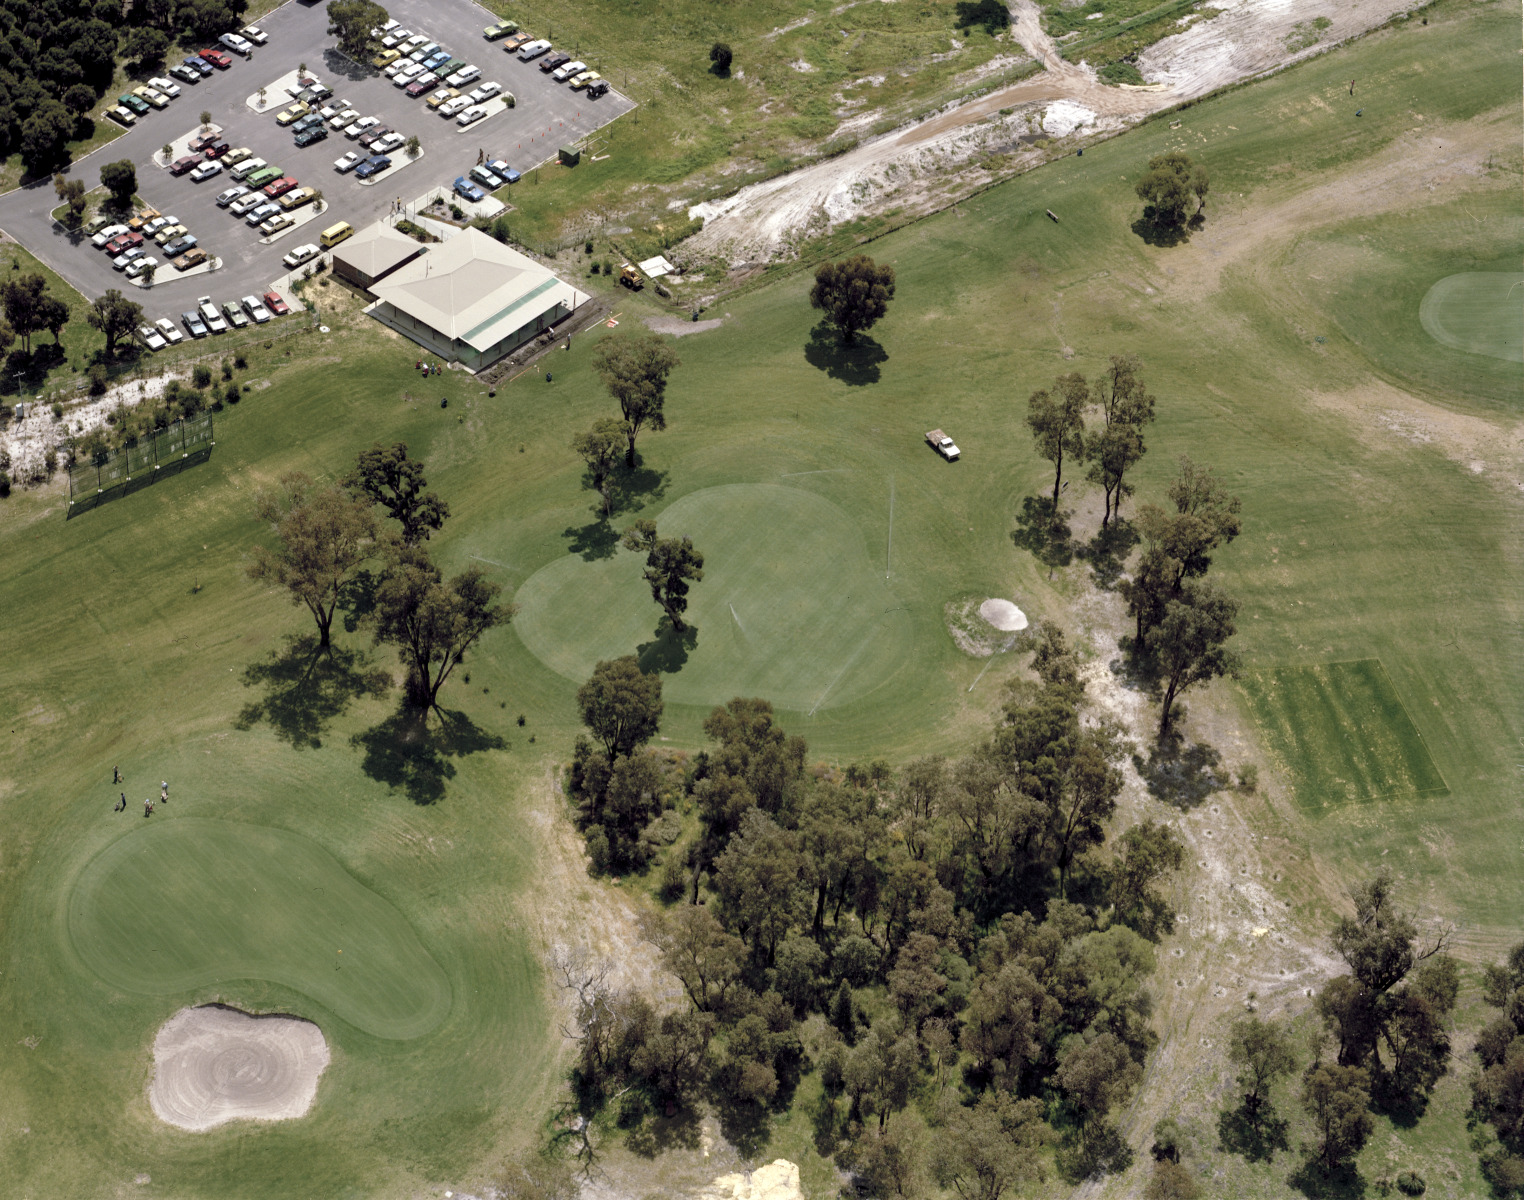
(547, 115)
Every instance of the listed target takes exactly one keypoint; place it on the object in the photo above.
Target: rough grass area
(1344, 733)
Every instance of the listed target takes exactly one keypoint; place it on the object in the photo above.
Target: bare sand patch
(215, 1064)
(1003, 615)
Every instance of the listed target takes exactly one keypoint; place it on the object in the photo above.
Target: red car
(280, 187)
(182, 165)
(202, 142)
(217, 58)
(126, 242)
(275, 304)
(216, 151)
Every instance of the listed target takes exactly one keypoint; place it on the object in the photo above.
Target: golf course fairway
(188, 903)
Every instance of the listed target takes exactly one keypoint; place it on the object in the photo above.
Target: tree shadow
(1179, 774)
(409, 755)
(595, 540)
(1157, 232)
(657, 1134)
(632, 488)
(1104, 1152)
(1042, 530)
(668, 650)
(357, 598)
(746, 1125)
(1107, 552)
(306, 688)
(856, 363)
(1255, 1137)
(341, 64)
(829, 1125)
(1342, 1183)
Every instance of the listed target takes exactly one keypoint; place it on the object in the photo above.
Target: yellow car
(582, 80)
(233, 157)
(295, 113)
(385, 58)
(443, 96)
(157, 99)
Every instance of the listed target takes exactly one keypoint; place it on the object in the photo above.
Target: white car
(255, 34)
(243, 204)
(151, 337)
(329, 111)
(474, 113)
(562, 74)
(300, 255)
(263, 213)
(157, 224)
(255, 309)
(106, 234)
(205, 171)
(395, 38)
(141, 265)
(341, 119)
(485, 93)
(276, 223)
(169, 330)
(227, 197)
(415, 40)
(127, 257)
(385, 145)
(408, 73)
(533, 50)
(363, 125)
(160, 84)
(237, 44)
(348, 163)
(450, 107)
(467, 74)
(401, 64)
(214, 319)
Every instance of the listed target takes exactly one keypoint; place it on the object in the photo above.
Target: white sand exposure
(215, 1064)
(1003, 615)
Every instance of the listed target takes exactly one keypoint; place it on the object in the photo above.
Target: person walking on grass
(148, 807)
(116, 775)
(164, 791)
(123, 806)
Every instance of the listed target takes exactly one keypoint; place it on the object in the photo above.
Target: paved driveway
(547, 116)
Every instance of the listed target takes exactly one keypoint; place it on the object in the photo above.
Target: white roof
(655, 268)
(374, 250)
(474, 289)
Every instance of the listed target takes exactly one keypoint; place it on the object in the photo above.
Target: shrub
(1121, 72)
(202, 376)
(5, 485)
(241, 363)
(589, 247)
(598, 850)
(674, 877)
(227, 369)
(1410, 1183)
(58, 408)
(232, 395)
(457, 212)
(1248, 778)
(720, 56)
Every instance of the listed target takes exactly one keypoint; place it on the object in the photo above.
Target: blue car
(372, 166)
(196, 63)
(503, 171)
(468, 190)
(437, 61)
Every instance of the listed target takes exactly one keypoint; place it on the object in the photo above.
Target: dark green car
(136, 103)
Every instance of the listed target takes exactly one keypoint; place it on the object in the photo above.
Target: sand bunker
(214, 1064)
(1003, 615)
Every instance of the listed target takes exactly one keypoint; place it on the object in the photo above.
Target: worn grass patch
(1345, 733)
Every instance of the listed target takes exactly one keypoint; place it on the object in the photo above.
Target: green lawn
(133, 628)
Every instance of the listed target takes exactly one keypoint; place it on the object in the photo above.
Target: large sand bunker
(1003, 615)
(214, 1064)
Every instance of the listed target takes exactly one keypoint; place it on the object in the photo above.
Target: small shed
(373, 254)
(570, 156)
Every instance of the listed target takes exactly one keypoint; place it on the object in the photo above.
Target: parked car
(167, 86)
(127, 257)
(316, 93)
(396, 68)
(185, 74)
(276, 223)
(198, 64)
(280, 187)
(122, 116)
(293, 114)
(169, 233)
(406, 76)
(152, 96)
(210, 315)
(141, 266)
(262, 213)
(516, 40)
(415, 40)
(169, 331)
(137, 224)
(385, 58)
(249, 167)
(551, 61)
(275, 304)
(312, 134)
(467, 74)
(123, 241)
(503, 171)
(440, 95)
(255, 34)
(293, 200)
(233, 157)
(193, 257)
(158, 223)
(455, 106)
(244, 204)
(200, 144)
(533, 50)
(450, 67)
(218, 58)
(186, 241)
(236, 317)
(347, 163)
(501, 29)
(226, 197)
(151, 337)
(217, 150)
(240, 46)
(567, 71)
(584, 79)
(425, 52)
(387, 143)
(467, 190)
(300, 255)
(332, 109)
(486, 178)
(257, 311)
(396, 37)
(436, 63)
(345, 117)
(310, 121)
(484, 93)
(422, 84)
(194, 324)
(363, 125)
(372, 166)
(205, 171)
(136, 103)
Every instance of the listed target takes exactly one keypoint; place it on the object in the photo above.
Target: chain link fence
(167, 449)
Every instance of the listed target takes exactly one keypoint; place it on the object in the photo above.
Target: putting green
(1345, 732)
(790, 607)
(1479, 311)
(186, 903)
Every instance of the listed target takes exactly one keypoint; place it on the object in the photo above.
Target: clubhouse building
(469, 299)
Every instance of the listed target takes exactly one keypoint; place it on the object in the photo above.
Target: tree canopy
(634, 368)
(621, 704)
(599, 448)
(115, 316)
(1172, 183)
(385, 475)
(351, 22)
(1056, 417)
(854, 293)
(121, 180)
(671, 565)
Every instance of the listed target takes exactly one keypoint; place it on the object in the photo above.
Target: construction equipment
(631, 278)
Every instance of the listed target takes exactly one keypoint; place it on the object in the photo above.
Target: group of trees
(324, 535)
(351, 21)
(29, 309)
(978, 961)
(1498, 1092)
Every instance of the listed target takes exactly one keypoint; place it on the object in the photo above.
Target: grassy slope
(130, 665)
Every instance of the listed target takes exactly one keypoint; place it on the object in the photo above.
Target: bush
(589, 247)
(720, 56)
(58, 408)
(457, 212)
(241, 363)
(598, 850)
(1248, 778)
(201, 377)
(674, 877)
(232, 395)
(5, 485)
(1121, 72)
(227, 369)
(1410, 1183)
(991, 15)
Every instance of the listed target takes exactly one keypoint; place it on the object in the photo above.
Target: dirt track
(931, 164)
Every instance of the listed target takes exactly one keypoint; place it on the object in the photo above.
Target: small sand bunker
(778, 1180)
(215, 1064)
(1003, 615)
